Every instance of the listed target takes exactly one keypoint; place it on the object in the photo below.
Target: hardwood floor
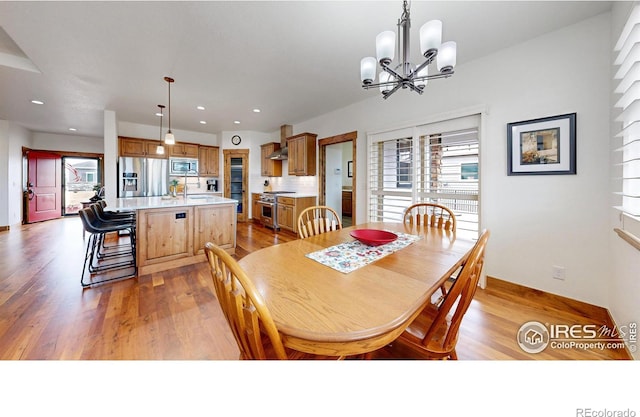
(45, 313)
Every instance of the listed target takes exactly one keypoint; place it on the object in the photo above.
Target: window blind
(437, 162)
(627, 150)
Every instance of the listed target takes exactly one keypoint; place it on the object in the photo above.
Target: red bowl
(373, 237)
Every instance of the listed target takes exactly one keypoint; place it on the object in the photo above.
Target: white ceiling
(294, 60)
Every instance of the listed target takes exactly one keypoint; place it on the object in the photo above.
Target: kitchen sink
(198, 197)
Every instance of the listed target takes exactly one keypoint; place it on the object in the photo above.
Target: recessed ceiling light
(200, 107)
(73, 129)
(256, 110)
(202, 122)
(236, 122)
(37, 101)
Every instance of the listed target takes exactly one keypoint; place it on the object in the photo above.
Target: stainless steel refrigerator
(142, 177)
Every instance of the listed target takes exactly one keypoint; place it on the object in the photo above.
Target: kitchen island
(172, 232)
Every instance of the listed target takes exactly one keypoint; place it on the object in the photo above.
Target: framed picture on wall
(350, 169)
(545, 146)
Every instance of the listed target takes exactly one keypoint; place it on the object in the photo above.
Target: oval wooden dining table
(320, 310)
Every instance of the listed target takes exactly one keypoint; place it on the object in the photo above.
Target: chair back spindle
(243, 307)
(316, 220)
(431, 214)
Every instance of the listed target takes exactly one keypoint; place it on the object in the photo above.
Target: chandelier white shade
(169, 139)
(404, 74)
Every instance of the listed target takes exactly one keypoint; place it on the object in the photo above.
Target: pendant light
(169, 139)
(160, 148)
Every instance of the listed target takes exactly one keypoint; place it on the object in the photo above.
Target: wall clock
(235, 139)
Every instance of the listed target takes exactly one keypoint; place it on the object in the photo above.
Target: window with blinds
(448, 174)
(626, 166)
(436, 163)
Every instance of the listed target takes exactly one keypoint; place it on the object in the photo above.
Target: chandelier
(405, 74)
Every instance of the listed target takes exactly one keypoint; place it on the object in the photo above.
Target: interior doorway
(236, 175)
(337, 182)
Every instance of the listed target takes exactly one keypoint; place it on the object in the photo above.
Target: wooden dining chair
(434, 333)
(246, 312)
(317, 219)
(431, 214)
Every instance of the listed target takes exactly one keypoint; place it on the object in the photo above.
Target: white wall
(19, 137)
(624, 285)
(12, 138)
(333, 179)
(135, 130)
(347, 155)
(4, 172)
(69, 143)
(536, 221)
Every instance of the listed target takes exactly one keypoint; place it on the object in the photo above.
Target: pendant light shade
(430, 38)
(368, 69)
(385, 46)
(160, 147)
(385, 78)
(169, 139)
(447, 57)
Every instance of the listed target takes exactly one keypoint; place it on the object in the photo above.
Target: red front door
(44, 187)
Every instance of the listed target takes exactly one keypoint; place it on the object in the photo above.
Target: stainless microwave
(180, 166)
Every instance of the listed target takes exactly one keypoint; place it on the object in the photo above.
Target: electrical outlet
(559, 272)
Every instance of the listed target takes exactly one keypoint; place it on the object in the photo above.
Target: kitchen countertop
(297, 195)
(139, 203)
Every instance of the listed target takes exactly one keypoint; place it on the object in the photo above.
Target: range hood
(282, 153)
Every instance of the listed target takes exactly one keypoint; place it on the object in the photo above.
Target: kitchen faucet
(186, 172)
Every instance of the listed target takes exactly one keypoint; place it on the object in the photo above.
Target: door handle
(30, 191)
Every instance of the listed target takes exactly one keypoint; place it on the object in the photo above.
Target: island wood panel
(215, 224)
(164, 234)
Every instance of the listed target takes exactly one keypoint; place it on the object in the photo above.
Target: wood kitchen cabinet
(186, 150)
(255, 207)
(302, 154)
(214, 223)
(136, 147)
(270, 167)
(289, 208)
(209, 161)
(347, 203)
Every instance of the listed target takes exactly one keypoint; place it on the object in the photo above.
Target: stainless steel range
(269, 208)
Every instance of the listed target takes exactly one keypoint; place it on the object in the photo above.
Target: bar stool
(110, 218)
(101, 259)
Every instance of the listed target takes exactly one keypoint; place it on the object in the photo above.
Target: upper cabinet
(302, 154)
(209, 161)
(270, 167)
(186, 150)
(136, 147)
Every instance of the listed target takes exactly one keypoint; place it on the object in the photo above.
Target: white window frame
(466, 119)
